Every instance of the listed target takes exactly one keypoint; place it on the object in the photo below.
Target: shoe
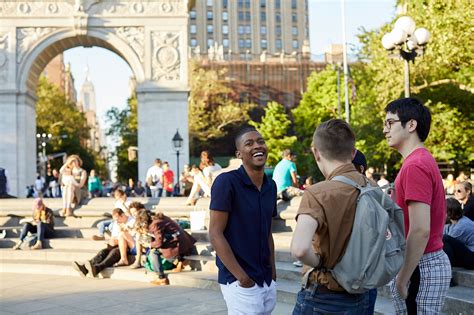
(121, 264)
(285, 196)
(17, 245)
(91, 268)
(135, 265)
(62, 213)
(160, 281)
(98, 238)
(38, 245)
(298, 263)
(180, 266)
(81, 269)
(69, 212)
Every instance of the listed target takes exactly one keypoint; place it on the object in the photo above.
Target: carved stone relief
(135, 38)
(166, 60)
(28, 36)
(3, 57)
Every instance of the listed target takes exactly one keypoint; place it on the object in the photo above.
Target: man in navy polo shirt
(243, 203)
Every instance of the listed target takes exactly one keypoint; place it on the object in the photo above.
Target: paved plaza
(44, 294)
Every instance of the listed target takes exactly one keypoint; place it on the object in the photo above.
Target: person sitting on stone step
(122, 202)
(142, 237)
(42, 223)
(124, 233)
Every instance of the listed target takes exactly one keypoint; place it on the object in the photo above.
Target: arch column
(160, 113)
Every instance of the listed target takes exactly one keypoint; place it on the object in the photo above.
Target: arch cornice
(37, 57)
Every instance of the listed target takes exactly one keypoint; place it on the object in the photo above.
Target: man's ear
(315, 153)
(237, 154)
(412, 124)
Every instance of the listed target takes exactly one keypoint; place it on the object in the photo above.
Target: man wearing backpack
(324, 223)
(423, 282)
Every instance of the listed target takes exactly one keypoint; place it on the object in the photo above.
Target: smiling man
(243, 203)
(423, 282)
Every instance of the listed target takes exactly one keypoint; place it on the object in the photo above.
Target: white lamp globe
(398, 36)
(422, 36)
(411, 43)
(406, 24)
(387, 42)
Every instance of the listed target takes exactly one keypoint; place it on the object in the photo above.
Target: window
(225, 29)
(247, 16)
(277, 4)
(241, 29)
(263, 30)
(295, 44)
(263, 44)
(209, 3)
(240, 15)
(240, 3)
(263, 3)
(193, 29)
(247, 3)
(278, 18)
(278, 30)
(193, 42)
(210, 42)
(241, 43)
(263, 16)
(278, 44)
(209, 15)
(225, 3)
(247, 29)
(210, 29)
(293, 4)
(294, 18)
(248, 43)
(225, 16)
(294, 31)
(225, 42)
(192, 15)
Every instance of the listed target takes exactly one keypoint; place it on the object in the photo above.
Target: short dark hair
(335, 140)
(453, 209)
(241, 132)
(412, 108)
(117, 211)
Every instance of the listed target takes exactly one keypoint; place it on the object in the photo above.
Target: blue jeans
(104, 225)
(310, 302)
(372, 299)
(42, 229)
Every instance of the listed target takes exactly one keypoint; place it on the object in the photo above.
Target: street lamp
(177, 144)
(408, 41)
(43, 139)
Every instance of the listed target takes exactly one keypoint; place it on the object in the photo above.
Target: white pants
(249, 301)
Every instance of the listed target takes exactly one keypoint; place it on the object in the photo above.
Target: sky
(110, 73)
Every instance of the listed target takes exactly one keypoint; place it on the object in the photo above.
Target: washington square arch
(151, 36)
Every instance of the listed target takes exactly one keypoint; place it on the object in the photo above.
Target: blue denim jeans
(310, 302)
(104, 225)
(42, 229)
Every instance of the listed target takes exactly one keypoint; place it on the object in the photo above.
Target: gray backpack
(376, 249)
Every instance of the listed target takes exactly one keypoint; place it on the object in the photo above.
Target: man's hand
(402, 287)
(246, 282)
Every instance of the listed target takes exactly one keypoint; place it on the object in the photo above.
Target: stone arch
(59, 41)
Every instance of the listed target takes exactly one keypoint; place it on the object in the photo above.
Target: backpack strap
(348, 181)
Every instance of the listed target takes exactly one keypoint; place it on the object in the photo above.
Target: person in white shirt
(203, 181)
(154, 179)
(382, 181)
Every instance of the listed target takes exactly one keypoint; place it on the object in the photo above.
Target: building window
(240, 15)
(263, 44)
(209, 15)
(247, 3)
(241, 43)
(278, 30)
(263, 3)
(209, 3)
(294, 31)
(225, 3)
(247, 16)
(263, 16)
(241, 29)
(295, 44)
(193, 29)
(278, 44)
(263, 30)
(293, 4)
(277, 4)
(210, 29)
(248, 43)
(240, 3)
(278, 18)
(192, 15)
(225, 16)
(225, 29)
(248, 30)
(210, 42)
(225, 42)
(193, 42)
(294, 18)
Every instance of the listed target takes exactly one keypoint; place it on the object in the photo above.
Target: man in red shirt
(168, 179)
(423, 282)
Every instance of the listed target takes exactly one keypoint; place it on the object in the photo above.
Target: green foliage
(274, 128)
(124, 126)
(212, 111)
(56, 115)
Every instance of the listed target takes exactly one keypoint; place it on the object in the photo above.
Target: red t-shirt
(168, 180)
(420, 180)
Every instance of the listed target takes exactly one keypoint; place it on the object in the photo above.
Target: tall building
(60, 75)
(244, 29)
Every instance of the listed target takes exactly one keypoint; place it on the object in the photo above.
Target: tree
(274, 129)
(57, 115)
(212, 110)
(124, 127)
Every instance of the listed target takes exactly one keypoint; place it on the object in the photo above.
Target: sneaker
(91, 268)
(98, 238)
(38, 245)
(81, 269)
(160, 281)
(136, 265)
(298, 263)
(17, 245)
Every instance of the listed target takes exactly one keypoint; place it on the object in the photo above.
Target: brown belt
(323, 289)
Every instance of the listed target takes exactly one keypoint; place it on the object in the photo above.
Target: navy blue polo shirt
(249, 224)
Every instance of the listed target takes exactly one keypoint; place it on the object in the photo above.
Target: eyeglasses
(389, 122)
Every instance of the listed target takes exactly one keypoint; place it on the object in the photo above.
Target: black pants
(106, 257)
(458, 253)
